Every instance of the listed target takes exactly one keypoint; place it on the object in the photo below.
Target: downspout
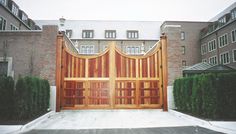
(217, 49)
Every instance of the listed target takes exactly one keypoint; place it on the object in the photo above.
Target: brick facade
(190, 42)
(33, 52)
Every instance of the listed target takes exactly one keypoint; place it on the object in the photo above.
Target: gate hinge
(160, 48)
(161, 85)
(160, 66)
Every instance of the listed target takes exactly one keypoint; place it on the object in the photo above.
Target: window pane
(3, 67)
(234, 53)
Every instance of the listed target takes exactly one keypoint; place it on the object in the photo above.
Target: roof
(148, 30)
(204, 67)
(199, 66)
(221, 14)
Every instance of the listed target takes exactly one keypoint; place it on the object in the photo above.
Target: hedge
(32, 97)
(29, 99)
(208, 95)
(6, 97)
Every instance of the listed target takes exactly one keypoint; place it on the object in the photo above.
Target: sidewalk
(92, 121)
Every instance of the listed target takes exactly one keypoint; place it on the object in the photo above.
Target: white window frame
(5, 2)
(215, 56)
(91, 34)
(212, 44)
(110, 34)
(234, 60)
(223, 40)
(223, 54)
(232, 35)
(132, 34)
(184, 61)
(133, 50)
(87, 49)
(12, 25)
(233, 14)
(15, 10)
(205, 46)
(5, 24)
(9, 60)
(204, 60)
(182, 35)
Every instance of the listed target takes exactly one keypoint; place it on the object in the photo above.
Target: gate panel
(99, 93)
(110, 79)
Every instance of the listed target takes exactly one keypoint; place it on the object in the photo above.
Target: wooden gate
(111, 79)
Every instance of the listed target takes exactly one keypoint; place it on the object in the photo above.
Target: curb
(35, 122)
(213, 125)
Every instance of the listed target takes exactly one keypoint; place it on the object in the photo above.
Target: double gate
(110, 79)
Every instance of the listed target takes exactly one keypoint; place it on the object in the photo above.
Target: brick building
(13, 18)
(91, 37)
(218, 39)
(183, 45)
(29, 53)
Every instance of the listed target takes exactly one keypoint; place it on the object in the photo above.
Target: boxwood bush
(29, 99)
(32, 97)
(6, 97)
(208, 95)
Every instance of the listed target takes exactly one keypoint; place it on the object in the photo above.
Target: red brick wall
(33, 52)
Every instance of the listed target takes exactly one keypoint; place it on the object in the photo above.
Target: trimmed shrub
(176, 93)
(6, 97)
(209, 95)
(32, 97)
(196, 98)
(187, 93)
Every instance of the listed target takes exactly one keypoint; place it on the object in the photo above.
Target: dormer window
(87, 34)
(233, 14)
(222, 21)
(132, 34)
(4, 2)
(15, 9)
(110, 33)
(69, 33)
(23, 16)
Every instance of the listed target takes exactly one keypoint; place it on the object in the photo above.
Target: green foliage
(32, 97)
(196, 98)
(6, 97)
(209, 95)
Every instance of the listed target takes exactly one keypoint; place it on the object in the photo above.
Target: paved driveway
(115, 121)
(162, 130)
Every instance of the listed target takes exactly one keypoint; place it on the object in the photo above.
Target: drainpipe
(217, 49)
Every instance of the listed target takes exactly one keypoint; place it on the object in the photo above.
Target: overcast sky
(149, 10)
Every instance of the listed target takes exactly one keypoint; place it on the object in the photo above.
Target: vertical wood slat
(165, 70)
(58, 71)
(128, 67)
(63, 59)
(156, 65)
(112, 73)
(160, 77)
(148, 67)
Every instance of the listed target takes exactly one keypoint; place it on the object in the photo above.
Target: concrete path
(162, 130)
(99, 119)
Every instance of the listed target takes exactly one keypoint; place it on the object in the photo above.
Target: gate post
(59, 46)
(165, 70)
(112, 73)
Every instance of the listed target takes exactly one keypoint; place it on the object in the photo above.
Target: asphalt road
(159, 130)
